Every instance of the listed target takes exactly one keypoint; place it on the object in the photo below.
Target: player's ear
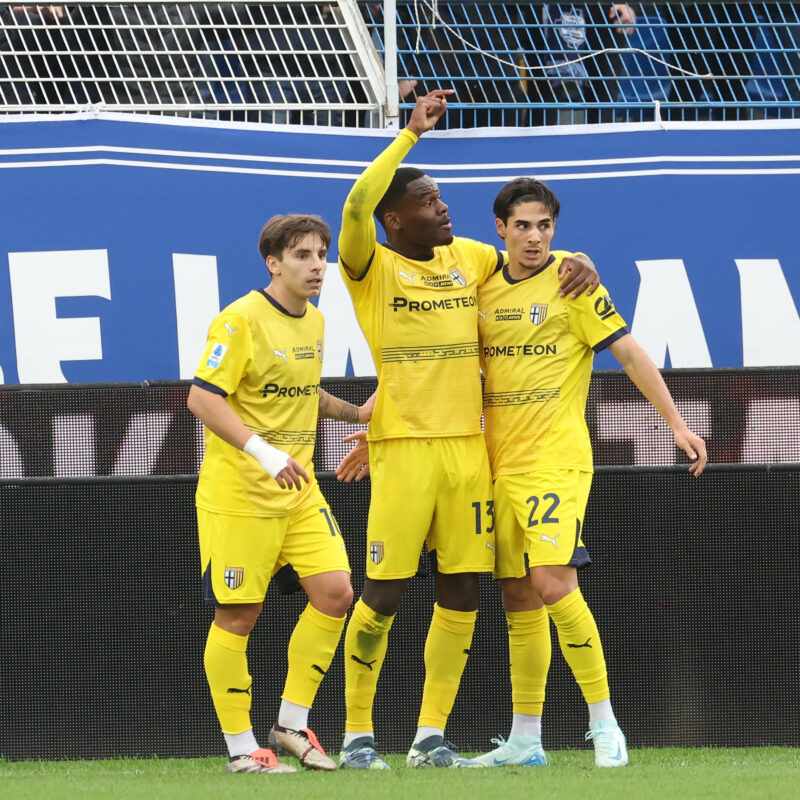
(501, 228)
(392, 221)
(272, 265)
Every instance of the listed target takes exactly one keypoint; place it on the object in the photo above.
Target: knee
(384, 597)
(238, 619)
(554, 583)
(334, 597)
(519, 595)
(457, 592)
(551, 590)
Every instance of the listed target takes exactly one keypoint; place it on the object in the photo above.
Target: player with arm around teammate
(415, 299)
(536, 354)
(259, 507)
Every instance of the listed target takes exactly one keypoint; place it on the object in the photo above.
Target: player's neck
(293, 303)
(518, 272)
(408, 250)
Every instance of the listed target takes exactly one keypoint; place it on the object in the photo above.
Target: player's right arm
(212, 410)
(645, 375)
(357, 236)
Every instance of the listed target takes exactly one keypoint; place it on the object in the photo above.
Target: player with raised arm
(259, 507)
(536, 354)
(415, 299)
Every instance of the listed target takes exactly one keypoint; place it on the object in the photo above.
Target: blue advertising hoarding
(122, 236)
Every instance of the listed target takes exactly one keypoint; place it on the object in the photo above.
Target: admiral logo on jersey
(217, 354)
(303, 351)
(508, 314)
(603, 307)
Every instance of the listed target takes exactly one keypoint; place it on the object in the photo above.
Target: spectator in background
(556, 36)
(457, 51)
(641, 78)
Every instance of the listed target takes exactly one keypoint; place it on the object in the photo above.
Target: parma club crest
(458, 277)
(538, 313)
(234, 577)
(376, 552)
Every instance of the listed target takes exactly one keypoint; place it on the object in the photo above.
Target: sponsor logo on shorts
(217, 354)
(234, 577)
(553, 540)
(538, 313)
(376, 552)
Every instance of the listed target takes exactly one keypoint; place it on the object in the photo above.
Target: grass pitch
(661, 774)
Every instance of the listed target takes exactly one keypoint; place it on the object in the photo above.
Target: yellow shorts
(539, 519)
(434, 490)
(239, 555)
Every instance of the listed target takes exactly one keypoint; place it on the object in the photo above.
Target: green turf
(661, 774)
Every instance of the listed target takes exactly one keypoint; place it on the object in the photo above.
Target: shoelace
(606, 742)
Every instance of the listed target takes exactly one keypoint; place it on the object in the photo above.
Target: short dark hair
(524, 190)
(284, 230)
(397, 190)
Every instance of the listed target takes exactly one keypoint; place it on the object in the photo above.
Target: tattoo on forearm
(334, 408)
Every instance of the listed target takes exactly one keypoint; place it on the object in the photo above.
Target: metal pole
(390, 63)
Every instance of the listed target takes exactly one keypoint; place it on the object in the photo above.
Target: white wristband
(270, 458)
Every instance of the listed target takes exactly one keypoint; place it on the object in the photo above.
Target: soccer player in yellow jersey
(415, 299)
(536, 353)
(259, 507)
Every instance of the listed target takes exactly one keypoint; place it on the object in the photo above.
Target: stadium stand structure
(340, 63)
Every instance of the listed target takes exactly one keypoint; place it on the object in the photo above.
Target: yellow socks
(580, 644)
(365, 645)
(529, 649)
(311, 649)
(228, 678)
(446, 651)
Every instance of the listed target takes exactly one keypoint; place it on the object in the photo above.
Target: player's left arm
(335, 408)
(644, 373)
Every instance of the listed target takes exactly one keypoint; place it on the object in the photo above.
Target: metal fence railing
(533, 63)
(266, 61)
(360, 63)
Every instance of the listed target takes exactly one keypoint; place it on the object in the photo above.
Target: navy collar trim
(279, 306)
(512, 281)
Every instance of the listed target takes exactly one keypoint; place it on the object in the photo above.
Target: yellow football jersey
(267, 363)
(536, 353)
(420, 320)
